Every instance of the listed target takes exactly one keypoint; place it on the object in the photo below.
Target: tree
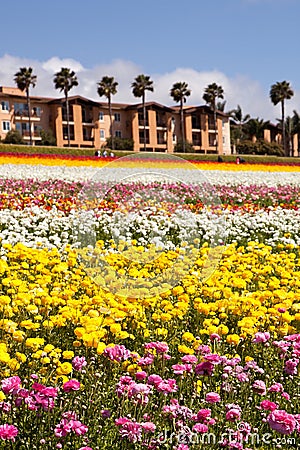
(108, 87)
(141, 84)
(65, 80)
(13, 137)
(239, 119)
(296, 128)
(280, 92)
(179, 93)
(211, 93)
(24, 79)
(254, 128)
(47, 138)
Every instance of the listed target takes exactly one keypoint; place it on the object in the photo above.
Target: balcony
(65, 118)
(23, 115)
(161, 124)
(35, 135)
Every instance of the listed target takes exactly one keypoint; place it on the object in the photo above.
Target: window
(101, 116)
(117, 117)
(65, 133)
(102, 135)
(5, 106)
(5, 125)
(118, 134)
(21, 109)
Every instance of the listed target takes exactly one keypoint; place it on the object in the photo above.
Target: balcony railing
(34, 134)
(65, 118)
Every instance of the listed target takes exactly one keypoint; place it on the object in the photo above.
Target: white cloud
(242, 90)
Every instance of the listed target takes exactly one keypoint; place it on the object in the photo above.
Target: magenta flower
(200, 428)
(10, 384)
(279, 420)
(78, 363)
(117, 353)
(8, 432)
(205, 368)
(78, 427)
(268, 405)
(259, 387)
(148, 427)
(71, 385)
(212, 397)
(261, 337)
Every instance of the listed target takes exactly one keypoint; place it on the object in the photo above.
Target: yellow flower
(64, 369)
(68, 354)
(186, 350)
(233, 339)
(101, 347)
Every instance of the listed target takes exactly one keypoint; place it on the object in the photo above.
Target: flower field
(149, 303)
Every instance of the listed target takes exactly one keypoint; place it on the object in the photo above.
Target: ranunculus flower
(268, 405)
(8, 432)
(212, 397)
(279, 420)
(71, 385)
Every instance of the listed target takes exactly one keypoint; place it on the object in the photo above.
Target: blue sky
(244, 45)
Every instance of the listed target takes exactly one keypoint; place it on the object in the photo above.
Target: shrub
(47, 138)
(188, 147)
(13, 137)
(120, 143)
(259, 148)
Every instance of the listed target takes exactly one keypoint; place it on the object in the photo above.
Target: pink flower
(192, 359)
(200, 428)
(71, 385)
(215, 337)
(282, 422)
(268, 405)
(78, 363)
(78, 427)
(204, 368)
(259, 387)
(63, 428)
(140, 375)
(261, 337)
(8, 431)
(117, 353)
(10, 384)
(85, 448)
(203, 415)
(148, 427)
(212, 397)
(233, 414)
(276, 387)
(180, 369)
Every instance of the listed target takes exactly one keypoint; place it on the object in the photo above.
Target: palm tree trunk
(111, 126)
(283, 130)
(68, 119)
(182, 126)
(144, 119)
(29, 116)
(215, 125)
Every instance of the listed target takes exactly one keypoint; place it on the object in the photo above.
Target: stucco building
(90, 123)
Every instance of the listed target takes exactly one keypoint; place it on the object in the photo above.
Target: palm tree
(179, 93)
(65, 80)
(254, 128)
(24, 79)
(239, 119)
(108, 87)
(296, 128)
(141, 84)
(280, 92)
(211, 93)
